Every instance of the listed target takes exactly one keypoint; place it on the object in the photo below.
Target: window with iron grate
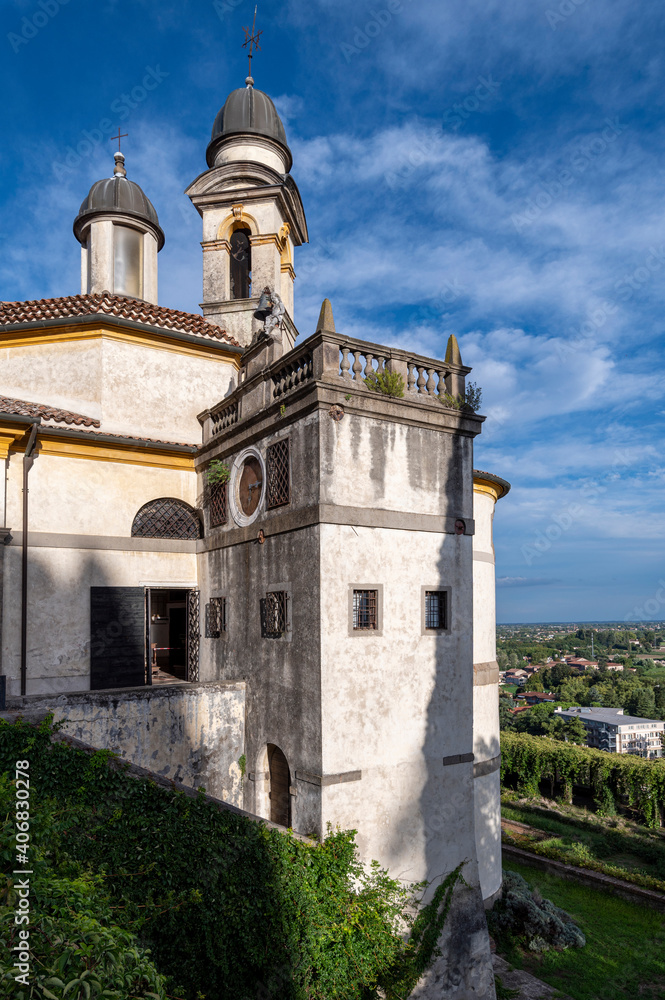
(277, 463)
(436, 609)
(166, 518)
(365, 615)
(218, 504)
(274, 614)
(215, 617)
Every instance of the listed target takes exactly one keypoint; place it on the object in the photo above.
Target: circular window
(247, 486)
(250, 486)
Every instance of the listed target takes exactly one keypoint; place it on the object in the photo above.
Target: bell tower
(252, 214)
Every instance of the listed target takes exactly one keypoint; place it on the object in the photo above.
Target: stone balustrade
(329, 358)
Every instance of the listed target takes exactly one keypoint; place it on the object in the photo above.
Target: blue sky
(489, 168)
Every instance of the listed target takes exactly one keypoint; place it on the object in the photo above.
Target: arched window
(166, 518)
(241, 264)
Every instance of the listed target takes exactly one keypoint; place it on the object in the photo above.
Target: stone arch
(237, 220)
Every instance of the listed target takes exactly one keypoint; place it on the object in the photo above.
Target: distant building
(609, 729)
(535, 697)
(515, 676)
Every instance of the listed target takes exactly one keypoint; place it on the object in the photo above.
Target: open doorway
(167, 639)
(143, 635)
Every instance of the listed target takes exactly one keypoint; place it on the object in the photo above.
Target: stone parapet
(329, 360)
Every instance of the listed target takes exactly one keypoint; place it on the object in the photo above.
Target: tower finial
(251, 39)
(119, 169)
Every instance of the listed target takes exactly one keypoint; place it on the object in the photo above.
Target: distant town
(595, 683)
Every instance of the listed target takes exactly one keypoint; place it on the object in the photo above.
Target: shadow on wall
(447, 799)
(191, 734)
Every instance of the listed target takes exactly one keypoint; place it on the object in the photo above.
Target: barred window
(436, 609)
(218, 504)
(274, 614)
(166, 518)
(365, 610)
(277, 463)
(215, 617)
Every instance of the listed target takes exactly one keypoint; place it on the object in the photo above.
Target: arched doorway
(280, 781)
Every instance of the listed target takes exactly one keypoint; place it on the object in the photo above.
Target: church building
(232, 556)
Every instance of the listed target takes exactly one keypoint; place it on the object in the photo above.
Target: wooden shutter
(280, 780)
(117, 637)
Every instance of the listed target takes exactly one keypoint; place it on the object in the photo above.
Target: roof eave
(90, 319)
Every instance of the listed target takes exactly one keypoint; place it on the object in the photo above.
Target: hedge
(613, 778)
(580, 859)
(227, 906)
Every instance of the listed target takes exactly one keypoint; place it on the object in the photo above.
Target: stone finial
(119, 169)
(326, 321)
(453, 356)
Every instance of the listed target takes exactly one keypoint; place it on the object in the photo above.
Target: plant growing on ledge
(217, 472)
(471, 400)
(389, 383)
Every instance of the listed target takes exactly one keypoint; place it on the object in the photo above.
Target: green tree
(575, 731)
(506, 717)
(641, 702)
(534, 683)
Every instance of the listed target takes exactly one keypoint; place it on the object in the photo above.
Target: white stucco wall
(79, 501)
(395, 705)
(486, 745)
(86, 496)
(392, 466)
(136, 389)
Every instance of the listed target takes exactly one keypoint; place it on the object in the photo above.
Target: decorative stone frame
(237, 513)
(286, 588)
(449, 609)
(371, 632)
(215, 595)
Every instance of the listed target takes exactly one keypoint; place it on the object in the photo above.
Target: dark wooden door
(117, 637)
(280, 780)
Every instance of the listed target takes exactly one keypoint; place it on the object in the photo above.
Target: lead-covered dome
(117, 195)
(247, 111)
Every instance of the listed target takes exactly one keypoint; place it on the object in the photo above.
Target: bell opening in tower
(241, 264)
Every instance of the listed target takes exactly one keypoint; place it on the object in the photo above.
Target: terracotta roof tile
(131, 437)
(22, 408)
(36, 310)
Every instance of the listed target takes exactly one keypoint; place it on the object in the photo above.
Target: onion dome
(247, 111)
(117, 196)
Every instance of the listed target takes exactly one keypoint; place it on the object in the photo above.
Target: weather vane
(251, 39)
(119, 137)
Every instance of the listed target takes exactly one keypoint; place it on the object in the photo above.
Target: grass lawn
(624, 957)
(510, 688)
